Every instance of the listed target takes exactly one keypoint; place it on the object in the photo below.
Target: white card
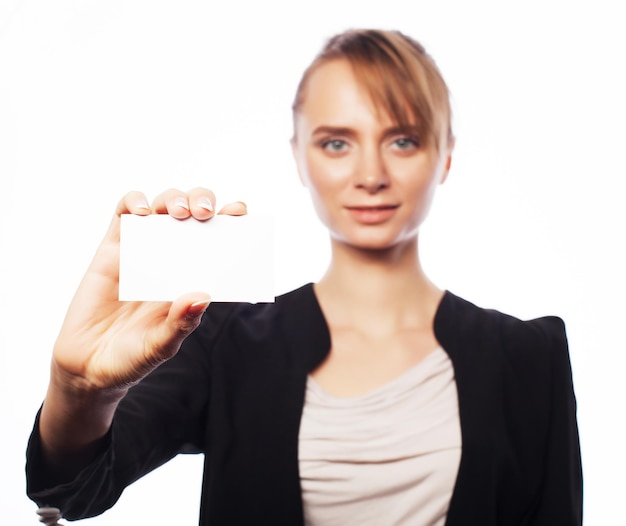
(229, 258)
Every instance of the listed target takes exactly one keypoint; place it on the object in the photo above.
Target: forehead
(333, 95)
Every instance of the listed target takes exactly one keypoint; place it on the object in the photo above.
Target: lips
(372, 215)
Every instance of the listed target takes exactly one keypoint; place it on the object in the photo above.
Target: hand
(106, 344)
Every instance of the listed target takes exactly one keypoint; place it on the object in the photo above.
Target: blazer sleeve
(560, 500)
(165, 414)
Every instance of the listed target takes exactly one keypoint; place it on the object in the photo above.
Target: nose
(371, 173)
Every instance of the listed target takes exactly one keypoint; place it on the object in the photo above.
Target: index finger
(133, 203)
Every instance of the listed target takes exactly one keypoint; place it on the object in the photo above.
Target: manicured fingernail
(205, 202)
(182, 202)
(143, 205)
(197, 308)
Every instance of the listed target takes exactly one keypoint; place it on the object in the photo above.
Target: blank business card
(230, 258)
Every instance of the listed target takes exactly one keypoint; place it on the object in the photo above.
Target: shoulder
(475, 335)
(290, 309)
(496, 356)
(458, 320)
(293, 326)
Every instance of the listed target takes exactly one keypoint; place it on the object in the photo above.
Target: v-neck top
(388, 457)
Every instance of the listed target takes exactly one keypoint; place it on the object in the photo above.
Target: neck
(383, 288)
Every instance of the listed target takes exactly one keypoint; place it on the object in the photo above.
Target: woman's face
(371, 182)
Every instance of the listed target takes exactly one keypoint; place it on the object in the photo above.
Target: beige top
(389, 457)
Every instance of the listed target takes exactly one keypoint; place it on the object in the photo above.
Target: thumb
(183, 317)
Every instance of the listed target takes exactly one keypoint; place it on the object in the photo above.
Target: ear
(446, 170)
(296, 158)
(448, 161)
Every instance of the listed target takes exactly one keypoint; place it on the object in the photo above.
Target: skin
(106, 346)
(372, 186)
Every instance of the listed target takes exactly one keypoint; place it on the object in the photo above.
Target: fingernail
(205, 202)
(182, 202)
(197, 308)
(143, 205)
(201, 303)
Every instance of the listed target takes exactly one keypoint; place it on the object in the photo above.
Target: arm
(165, 414)
(561, 495)
(105, 346)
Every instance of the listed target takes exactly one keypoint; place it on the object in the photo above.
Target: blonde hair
(399, 75)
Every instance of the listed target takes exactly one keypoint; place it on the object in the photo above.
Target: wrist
(75, 414)
(80, 391)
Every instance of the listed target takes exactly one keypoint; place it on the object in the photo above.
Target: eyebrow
(345, 131)
(334, 130)
(406, 130)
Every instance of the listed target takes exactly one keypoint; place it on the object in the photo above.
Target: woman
(371, 397)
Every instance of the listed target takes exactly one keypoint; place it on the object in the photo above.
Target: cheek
(418, 186)
(327, 176)
(417, 178)
(326, 180)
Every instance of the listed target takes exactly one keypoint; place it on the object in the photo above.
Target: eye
(405, 143)
(335, 145)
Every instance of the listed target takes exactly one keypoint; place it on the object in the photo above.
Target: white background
(100, 97)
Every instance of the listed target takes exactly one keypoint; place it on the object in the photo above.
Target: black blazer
(235, 392)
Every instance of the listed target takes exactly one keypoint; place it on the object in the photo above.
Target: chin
(376, 242)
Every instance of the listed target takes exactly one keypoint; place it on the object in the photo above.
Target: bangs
(391, 93)
(400, 77)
